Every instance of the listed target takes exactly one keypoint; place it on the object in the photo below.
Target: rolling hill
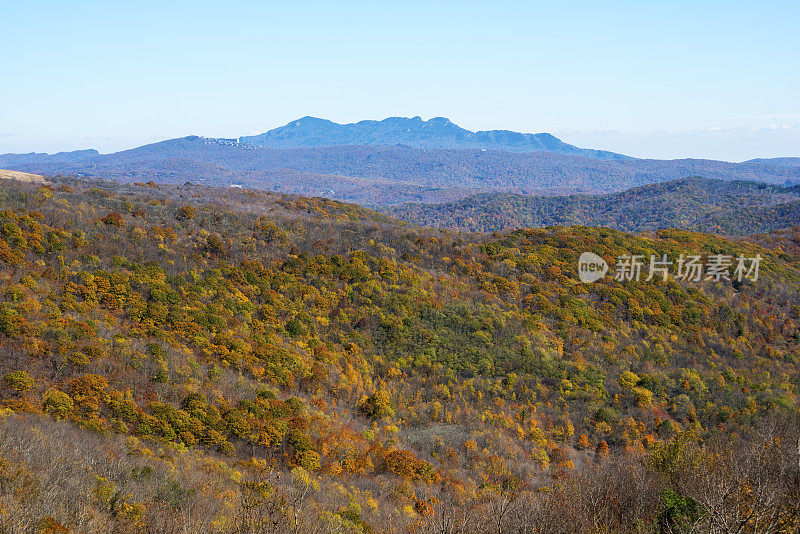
(184, 359)
(716, 206)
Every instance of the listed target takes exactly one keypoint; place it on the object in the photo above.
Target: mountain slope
(735, 207)
(435, 133)
(197, 360)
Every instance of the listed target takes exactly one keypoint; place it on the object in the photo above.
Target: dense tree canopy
(287, 362)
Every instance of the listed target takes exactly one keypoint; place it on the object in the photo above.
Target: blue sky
(651, 79)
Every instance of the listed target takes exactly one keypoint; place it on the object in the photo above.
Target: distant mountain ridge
(36, 158)
(392, 172)
(435, 133)
(384, 175)
(784, 162)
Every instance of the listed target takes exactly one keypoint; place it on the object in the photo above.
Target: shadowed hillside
(733, 208)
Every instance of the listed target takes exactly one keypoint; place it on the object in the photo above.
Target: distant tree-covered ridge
(715, 206)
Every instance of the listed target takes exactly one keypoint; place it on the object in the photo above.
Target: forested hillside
(387, 175)
(715, 206)
(177, 358)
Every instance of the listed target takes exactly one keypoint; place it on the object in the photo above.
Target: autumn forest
(187, 359)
